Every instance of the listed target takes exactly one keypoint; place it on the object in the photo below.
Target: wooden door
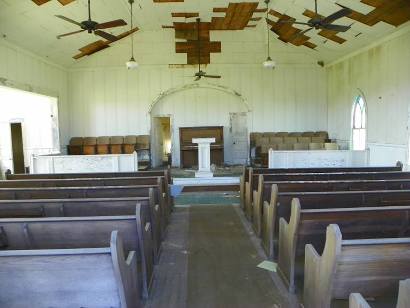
(239, 137)
(17, 147)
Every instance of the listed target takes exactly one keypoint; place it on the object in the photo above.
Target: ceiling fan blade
(197, 78)
(292, 22)
(212, 76)
(337, 28)
(111, 24)
(339, 14)
(69, 20)
(70, 33)
(107, 36)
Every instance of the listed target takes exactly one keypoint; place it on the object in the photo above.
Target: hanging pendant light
(132, 64)
(268, 63)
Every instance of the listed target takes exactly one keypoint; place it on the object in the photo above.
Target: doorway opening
(161, 141)
(17, 147)
(239, 135)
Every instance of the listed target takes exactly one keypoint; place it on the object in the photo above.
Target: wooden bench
(309, 227)
(93, 182)
(88, 207)
(254, 180)
(279, 206)
(248, 173)
(87, 277)
(166, 173)
(264, 191)
(83, 232)
(372, 267)
(356, 300)
(92, 192)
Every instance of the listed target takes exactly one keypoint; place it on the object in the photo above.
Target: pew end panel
(248, 202)
(287, 246)
(356, 300)
(269, 223)
(320, 270)
(404, 294)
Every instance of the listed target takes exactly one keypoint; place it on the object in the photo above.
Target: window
(359, 124)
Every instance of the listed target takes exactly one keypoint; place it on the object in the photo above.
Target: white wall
(106, 99)
(24, 70)
(382, 74)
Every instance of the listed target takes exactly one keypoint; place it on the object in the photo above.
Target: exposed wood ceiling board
(237, 16)
(40, 2)
(100, 44)
(185, 15)
(393, 12)
(167, 1)
(192, 46)
(63, 2)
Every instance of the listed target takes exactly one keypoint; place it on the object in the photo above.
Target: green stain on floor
(208, 198)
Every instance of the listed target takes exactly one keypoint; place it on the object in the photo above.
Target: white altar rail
(84, 163)
(317, 159)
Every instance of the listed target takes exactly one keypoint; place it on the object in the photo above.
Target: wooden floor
(209, 259)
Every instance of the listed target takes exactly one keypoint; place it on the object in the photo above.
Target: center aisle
(209, 260)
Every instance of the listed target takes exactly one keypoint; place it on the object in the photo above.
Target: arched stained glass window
(359, 124)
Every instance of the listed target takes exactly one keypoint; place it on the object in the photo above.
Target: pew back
(372, 267)
(88, 277)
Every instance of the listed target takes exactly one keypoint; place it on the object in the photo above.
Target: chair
(76, 146)
(331, 146)
(308, 134)
(316, 146)
(290, 140)
(116, 143)
(143, 142)
(301, 146)
(103, 145)
(89, 147)
(304, 140)
(276, 140)
(295, 134)
(318, 139)
(285, 147)
(130, 143)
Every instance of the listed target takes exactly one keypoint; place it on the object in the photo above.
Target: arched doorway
(201, 104)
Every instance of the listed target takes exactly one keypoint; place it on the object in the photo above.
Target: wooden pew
(356, 300)
(86, 277)
(248, 172)
(107, 175)
(372, 267)
(83, 232)
(280, 206)
(264, 191)
(254, 180)
(92, 192)
(92, 182)
(166, 173)
(309, 227)
(87, 207)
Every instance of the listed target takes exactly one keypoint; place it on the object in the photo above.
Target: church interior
(186, 153)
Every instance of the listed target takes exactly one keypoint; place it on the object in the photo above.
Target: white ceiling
(35, 27)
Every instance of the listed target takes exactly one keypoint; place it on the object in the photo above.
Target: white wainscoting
(84, 163)
(317, 159)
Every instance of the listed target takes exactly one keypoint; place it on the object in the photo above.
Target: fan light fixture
(268, 63)
(131, 64)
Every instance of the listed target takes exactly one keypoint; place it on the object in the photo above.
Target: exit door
(239, 134)
(17, 147)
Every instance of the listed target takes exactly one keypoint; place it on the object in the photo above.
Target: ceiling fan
(200, 72)
(323, 23)
(92, 26)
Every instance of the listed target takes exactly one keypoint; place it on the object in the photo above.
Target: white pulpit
(204, 157)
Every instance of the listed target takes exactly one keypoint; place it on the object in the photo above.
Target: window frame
(363, 125)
